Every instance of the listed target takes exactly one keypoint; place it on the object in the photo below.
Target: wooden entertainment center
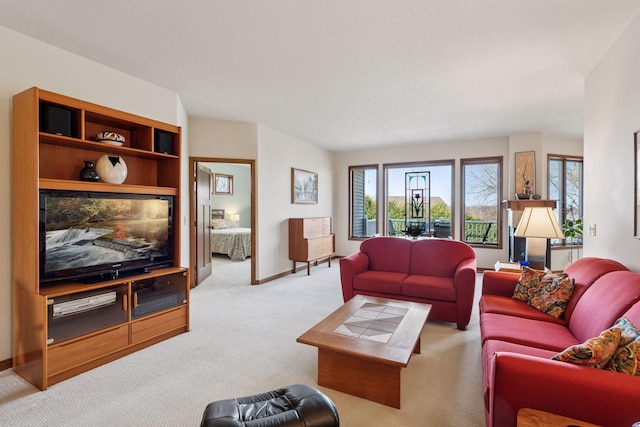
(66, 327)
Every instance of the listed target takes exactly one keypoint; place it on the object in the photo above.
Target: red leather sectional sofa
(440, 272)
(518, 342)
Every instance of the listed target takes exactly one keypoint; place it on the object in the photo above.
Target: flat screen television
(92, 236)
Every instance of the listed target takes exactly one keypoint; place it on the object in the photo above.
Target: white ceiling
(350, 74)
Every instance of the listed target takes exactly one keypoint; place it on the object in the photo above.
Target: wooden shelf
(61, 184)
(519, 205)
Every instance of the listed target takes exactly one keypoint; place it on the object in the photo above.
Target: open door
(203, 223)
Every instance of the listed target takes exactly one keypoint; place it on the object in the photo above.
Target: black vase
(88, 172)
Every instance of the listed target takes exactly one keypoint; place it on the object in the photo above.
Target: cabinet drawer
(320, 247)
(66, 356)
(155, 325)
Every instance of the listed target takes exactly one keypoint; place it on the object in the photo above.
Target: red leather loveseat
(518, 342)
(440, 272)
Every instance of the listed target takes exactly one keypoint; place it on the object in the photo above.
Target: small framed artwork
(304, 186)
(636, 186)
(525, 173)
(223, 184)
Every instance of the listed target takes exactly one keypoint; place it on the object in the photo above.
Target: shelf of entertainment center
(69, 287)
(124, 150)
(103, 187)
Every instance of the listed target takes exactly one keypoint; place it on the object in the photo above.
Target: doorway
(208, 204)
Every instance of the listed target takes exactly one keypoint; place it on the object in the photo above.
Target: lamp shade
(539, 222)
(233, 216)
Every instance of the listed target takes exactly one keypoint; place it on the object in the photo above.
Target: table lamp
(537, 225)
(234, 217)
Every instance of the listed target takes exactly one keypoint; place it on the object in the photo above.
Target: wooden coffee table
(363, 346)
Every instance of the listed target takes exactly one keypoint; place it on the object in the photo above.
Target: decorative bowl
(109, 137)
(522, 196)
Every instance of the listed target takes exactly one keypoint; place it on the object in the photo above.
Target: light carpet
(242, 342)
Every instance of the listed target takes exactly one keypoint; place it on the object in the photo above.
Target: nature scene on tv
(84, 232)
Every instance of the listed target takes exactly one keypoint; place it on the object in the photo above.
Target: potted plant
(572, 229)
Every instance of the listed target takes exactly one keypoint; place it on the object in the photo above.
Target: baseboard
(6, 364)
(286, 273)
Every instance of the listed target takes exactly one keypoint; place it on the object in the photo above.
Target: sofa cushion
(552, 295)
(595, 352)
(532, 333)
(605, 301)
(387, 254)
(626, 358)
(438, 257)
(429, 287)
(585, 271)
(379, 281)
(514, 307)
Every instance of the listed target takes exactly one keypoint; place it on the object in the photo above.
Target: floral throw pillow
(626, 358)
(529, 281)
(552, 295)
(596, 352)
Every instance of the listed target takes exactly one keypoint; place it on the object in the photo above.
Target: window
(481, 184)
(565, 186)
(363, 187)
(440, 197)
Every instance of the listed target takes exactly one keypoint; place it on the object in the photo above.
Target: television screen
(102, 235)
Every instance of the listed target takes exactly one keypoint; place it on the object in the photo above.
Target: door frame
(193, 211)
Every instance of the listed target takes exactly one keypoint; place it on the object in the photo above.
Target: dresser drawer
(320, 247)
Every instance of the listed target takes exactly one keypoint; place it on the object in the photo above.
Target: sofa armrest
(464, 280)
(499, 283)
(592, 395)
(350, 266)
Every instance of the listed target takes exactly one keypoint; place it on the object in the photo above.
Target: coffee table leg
(368, 379)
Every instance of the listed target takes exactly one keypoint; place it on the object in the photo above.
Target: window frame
(375, 167)
(416, 164)
(499, 160)
(561, 201)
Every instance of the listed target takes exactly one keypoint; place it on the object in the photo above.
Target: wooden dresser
(310, 239)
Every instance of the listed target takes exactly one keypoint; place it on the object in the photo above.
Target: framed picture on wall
(223, 184)
(304, 186)
(526, 172)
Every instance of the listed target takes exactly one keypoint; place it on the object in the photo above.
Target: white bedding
(234, 242)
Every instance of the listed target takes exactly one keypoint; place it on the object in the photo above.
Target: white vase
(112, 169)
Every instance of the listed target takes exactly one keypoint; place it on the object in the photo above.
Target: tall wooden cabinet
(49, 344)
(310, 239)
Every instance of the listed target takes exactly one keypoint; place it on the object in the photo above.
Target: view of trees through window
(481, 186)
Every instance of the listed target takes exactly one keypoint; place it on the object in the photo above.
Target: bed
(229, 239)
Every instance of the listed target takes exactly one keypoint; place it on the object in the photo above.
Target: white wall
(506, 147)
(27, 62)
(612, 115)
(277, 154)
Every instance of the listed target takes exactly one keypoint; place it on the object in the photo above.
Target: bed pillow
(626, 358)
(595, 352)
(221, 224)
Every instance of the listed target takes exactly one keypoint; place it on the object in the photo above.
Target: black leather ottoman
(298, 405)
